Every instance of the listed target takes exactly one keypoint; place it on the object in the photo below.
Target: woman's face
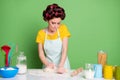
(53, 24)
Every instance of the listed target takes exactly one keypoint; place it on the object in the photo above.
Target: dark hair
(53, 11)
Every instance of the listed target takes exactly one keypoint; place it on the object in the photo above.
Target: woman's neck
(50, 31)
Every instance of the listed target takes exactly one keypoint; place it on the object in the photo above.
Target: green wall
(94, 26)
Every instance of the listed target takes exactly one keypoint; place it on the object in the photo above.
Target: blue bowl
(8, 72)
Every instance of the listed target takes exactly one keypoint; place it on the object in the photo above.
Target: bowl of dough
(8, 72)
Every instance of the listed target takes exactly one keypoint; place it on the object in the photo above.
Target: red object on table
(6, 49)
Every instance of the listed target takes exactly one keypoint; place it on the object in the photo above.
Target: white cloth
(53, 51)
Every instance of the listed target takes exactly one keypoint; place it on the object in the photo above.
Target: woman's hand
(61, 70)
(50, 65)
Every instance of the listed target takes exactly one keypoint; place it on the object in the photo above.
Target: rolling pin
(76, 72)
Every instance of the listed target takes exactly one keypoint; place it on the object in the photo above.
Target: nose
(56, 25)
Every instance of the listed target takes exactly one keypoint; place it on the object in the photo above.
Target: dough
(52, 70)
(49, 70)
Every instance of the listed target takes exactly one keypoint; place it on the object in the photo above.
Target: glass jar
(89, 71)
(21, 63)
(89, 67)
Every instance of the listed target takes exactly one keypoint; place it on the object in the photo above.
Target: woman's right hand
(50, 65)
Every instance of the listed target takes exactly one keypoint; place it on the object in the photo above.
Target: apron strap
(58, 33)
(46, 34)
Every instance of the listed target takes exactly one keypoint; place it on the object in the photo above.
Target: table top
(39, 74)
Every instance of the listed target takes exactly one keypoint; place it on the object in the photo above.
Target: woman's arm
(43, 58)
(64, 51)
(61, 68)
(41, 54)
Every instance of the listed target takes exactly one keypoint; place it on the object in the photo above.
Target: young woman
(53, 40)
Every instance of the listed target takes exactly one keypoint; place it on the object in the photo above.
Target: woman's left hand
(61, 70)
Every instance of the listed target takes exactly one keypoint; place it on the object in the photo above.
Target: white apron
(53, 51)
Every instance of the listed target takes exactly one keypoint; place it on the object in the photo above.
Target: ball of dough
(49, 70)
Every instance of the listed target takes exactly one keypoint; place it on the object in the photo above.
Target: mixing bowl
(8, 72)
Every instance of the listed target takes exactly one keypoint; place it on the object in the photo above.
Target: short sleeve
(40, 37)
(64, 32)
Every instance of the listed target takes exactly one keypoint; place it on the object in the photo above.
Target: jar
(117, 73)
(98, 70)
(108, 72)
(89, 71)
(102, 58)
(21, 63)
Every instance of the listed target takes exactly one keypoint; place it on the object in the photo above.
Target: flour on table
(42, 73)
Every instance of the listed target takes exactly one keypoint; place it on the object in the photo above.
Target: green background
(94, 26)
